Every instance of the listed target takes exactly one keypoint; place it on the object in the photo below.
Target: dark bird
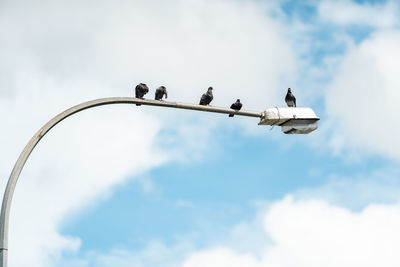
(236, 106)
(290, 99)
(140, 90)
(160, 92)
(206, 98)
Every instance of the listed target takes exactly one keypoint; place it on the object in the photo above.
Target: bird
(290, 99)
(236, 106)
(206, 98)
(140, 90)
(160, 92)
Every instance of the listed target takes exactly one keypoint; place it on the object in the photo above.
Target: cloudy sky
(132, 186)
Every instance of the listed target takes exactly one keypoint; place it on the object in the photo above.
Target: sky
(132, 186)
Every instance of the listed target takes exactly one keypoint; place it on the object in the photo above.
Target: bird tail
(230, 115)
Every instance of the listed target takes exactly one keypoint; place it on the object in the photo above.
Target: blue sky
(128, 186)
(209, 197)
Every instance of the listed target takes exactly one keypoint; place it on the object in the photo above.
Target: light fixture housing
(292, 120)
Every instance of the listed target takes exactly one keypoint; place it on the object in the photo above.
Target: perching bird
(236, 106)
(140, 90)
(207, 97)
(290, 99)
(160, 92)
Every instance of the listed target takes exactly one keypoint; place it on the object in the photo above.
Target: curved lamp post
(294, 119)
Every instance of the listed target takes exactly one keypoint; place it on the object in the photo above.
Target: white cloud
(221, 257)
(57, 54)
(185, 45)
(348, 12)
(315, 233)
(362, 99)
(300, 233)
(75, 166)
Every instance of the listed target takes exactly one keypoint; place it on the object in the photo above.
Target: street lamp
(292, 120)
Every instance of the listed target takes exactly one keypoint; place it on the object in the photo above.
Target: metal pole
(12, 181)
